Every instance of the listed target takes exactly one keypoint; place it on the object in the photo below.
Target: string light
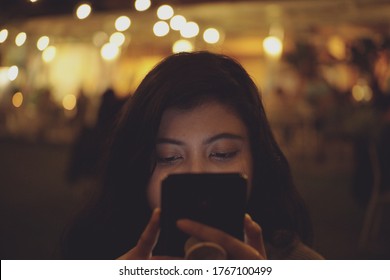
(43, 43)
(161, 28)
(109, 51)
(211, 35)
(117, 39)
(20, 39)
(177, 22)
(122, 23)
(189, 30)
(142, 5)
(13, 73)
(83, 11)
(3, 35)
(49, 54)
(165, 12)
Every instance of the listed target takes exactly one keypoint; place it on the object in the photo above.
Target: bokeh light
(165, 12)
(337, 48)
(211, 35)
(3, 35)
(117, 39)
(83, 11)
(189, 30)
(109, 51)
(17, 99)
(20, 39)
(142, 5)
(43, 43)
(49, 54)
(122, 23)
(4, 80)
(273, 46)
(13, 72)
(69, 102)
(182, 46)
(361, 91)
(161, 28)
(177, 22)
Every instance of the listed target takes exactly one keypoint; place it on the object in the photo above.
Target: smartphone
(214, 199)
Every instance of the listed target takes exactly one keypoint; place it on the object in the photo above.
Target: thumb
(254, 235)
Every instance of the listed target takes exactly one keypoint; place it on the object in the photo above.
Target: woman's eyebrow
(169, 141)
(224, 135)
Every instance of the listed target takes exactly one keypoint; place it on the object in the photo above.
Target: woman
(194, 112)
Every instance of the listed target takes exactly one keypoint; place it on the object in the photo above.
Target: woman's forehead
(210, 117)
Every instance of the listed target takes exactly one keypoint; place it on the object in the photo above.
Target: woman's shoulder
(297, 250)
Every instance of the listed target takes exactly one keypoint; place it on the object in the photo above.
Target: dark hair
(185, 80)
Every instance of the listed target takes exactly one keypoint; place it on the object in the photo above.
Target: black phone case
(217, 200)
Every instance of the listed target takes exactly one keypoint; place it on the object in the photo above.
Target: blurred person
(86, 151)
(194, 112)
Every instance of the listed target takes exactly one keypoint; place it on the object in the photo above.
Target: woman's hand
(143, 249)
(252, 248)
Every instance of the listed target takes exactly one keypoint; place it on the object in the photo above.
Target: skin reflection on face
(209, 138)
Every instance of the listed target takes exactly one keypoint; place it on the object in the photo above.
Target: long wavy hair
(185, 80)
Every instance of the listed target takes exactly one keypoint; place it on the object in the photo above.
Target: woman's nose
(196, 166)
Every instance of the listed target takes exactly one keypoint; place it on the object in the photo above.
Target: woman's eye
(169, 160)
(223, 155)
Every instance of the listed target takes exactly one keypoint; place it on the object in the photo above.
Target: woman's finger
(235, 248)
(147, 241)
(254, 235)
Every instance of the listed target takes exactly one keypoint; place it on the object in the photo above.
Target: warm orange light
(17, 99)
(69, 102)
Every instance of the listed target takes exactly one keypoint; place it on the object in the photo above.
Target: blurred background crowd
(323, 68)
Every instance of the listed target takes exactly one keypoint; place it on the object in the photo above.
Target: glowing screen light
(142, 5)
(122, 23)
(20, 39)
(182, 46)
(161, 28)
(83, 11)
(273, 46)
(211, 35)
(43, 43)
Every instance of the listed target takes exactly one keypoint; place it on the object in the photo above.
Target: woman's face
(209, 138)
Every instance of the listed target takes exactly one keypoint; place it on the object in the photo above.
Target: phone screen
(214, 199)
